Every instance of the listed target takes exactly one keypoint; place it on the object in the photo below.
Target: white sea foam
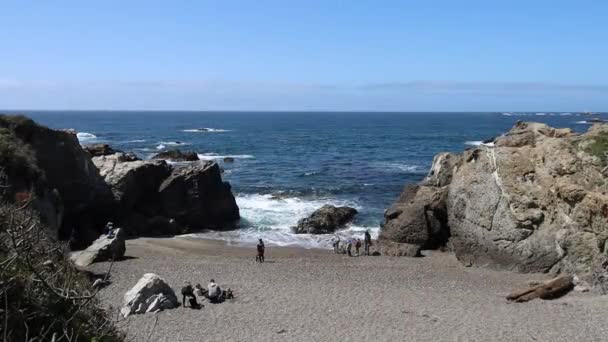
(271, 219)
(205, 130)
(214, 156)
(84, 136)
(173, 143)
(583, 122)
(134, 141)
(160, 147)
(479, 143)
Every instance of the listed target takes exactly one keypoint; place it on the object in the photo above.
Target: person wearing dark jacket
(261, 248)
(367, 242)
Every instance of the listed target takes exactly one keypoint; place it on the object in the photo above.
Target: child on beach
(357, 246)
(349, 247)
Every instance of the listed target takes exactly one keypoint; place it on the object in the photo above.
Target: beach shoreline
(307, 294)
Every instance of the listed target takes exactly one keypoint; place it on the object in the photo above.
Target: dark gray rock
(177, 156)
(325, 220)
(197, 198)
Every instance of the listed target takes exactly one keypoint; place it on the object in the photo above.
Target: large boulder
(196, 197)
(325, 220)
(50, 168)
(105, 248)
(134, 183)
(177, 156)
(534, 201)
(150, 294)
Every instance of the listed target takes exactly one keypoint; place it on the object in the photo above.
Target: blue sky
(305, 55)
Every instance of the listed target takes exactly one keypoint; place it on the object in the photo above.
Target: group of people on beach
(213, 293)
(347, 247)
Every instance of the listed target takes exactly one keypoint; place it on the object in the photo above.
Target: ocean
(289, 164)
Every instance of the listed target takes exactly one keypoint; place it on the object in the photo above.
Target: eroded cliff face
(50, 168)
(534, 200)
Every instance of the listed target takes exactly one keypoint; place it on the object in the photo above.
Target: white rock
(149, 294)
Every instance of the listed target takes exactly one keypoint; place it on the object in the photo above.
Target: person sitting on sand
(188, 292)
(367, 241)
(213, 292)
(261, 248)
(199, 291)
(357, 246)
(349, 247)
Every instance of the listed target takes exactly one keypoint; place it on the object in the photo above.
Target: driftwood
(549, 289)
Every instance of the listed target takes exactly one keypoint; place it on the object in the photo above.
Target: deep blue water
(288, 164)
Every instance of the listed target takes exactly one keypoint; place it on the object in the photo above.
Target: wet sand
(315, 295)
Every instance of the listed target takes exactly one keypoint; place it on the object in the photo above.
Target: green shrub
(41, 293)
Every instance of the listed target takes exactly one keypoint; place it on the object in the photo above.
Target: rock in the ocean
(196, 197)
(228, 160)
(103, 249)
(177, 155)
(325, 220)
(151, 293)
(535, 201)
(98, 150)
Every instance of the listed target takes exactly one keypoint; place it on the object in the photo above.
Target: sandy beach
(314, 295)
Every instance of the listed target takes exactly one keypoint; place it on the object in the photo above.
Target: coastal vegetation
(44, 297)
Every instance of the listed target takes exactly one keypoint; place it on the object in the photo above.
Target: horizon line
(16, 111)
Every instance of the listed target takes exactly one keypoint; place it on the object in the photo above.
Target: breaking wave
(271, 218)
(213, 156)
(84, 136)
(205, 130)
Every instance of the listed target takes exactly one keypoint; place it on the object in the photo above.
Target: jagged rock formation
(533, 201)
(134, 183)
(177, 156)
(197, 197)
(325, 220)
(49, 168)
(157, 199)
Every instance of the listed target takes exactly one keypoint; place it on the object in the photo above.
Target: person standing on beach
(349, 247)
(261, 248)
(337, 245)
(367, 241)
(357, 246)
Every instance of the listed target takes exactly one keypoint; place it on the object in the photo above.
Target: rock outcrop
(196, 196)
(150, 294)
(49, 168)
(325, 220)
(134, 183)
(177, 156)
(533, 201)
(105, 248)
(158, 199)
(98, 150)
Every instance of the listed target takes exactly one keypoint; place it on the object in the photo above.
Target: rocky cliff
(49, 168)
(76, 194)
(533, 200)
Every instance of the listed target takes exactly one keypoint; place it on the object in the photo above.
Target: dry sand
(314, 295)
